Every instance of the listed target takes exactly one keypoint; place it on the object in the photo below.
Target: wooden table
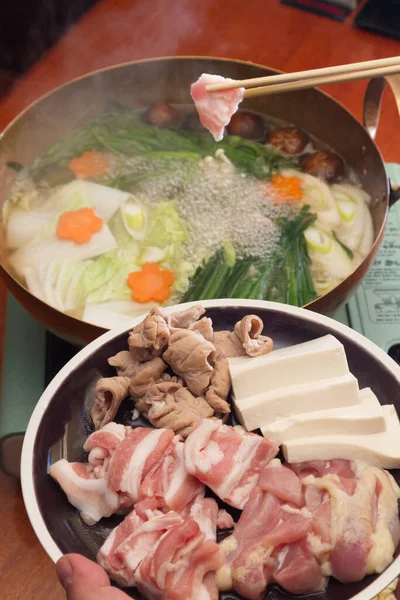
(115, 31)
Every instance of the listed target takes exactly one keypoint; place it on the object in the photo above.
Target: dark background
(28, 28)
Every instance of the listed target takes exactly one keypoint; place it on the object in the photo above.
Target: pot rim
(28, 456)
(378, 236)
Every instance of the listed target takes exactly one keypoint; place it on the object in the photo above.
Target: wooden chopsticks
(288, 82)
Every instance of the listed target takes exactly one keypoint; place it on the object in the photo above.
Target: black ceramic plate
(61, 423)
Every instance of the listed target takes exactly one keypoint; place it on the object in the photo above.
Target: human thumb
(83, 579)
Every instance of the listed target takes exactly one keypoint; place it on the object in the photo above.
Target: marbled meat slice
(135, 456)
(227, 459)
(169, 482)
(215, 109)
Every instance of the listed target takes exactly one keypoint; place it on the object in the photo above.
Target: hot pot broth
(142, 208)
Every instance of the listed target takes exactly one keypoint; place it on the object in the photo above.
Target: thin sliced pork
(227, 459)
(215, 109)
(135, 457)
(169, 482)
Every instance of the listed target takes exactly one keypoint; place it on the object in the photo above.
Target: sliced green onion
(318, 240)
(346, 206)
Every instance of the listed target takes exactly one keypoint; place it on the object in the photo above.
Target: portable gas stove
(32, 355)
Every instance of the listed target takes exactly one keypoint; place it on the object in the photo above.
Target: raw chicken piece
(127, 366)
(319, 468)
(91, 496)
(148, 339)
(386, 533)
(108, 395)
(227, 459)
(351, 523)
(215, 109)
(135, 457)
(169, 482)
(263, 526)
(191, 357)
(282, 482)
(297, 570)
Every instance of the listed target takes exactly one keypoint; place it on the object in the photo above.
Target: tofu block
(255, 411)
(360, 419)
(312, 361)
(377, 449)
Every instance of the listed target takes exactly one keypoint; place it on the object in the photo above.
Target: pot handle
(372, 111)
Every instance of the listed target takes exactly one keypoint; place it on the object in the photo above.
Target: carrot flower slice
(151, 283)
(89, 164)
(78, 225)
(284, 189)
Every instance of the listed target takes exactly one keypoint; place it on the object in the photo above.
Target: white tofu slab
(363, 418)
(256, 411)
(312, 361)
(377, 449)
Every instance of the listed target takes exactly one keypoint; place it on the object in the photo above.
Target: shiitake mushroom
(290, 140)
(247, 125)
(162, 115)
(323, 164)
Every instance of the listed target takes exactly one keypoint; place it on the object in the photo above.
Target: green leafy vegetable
(165, 227)
(349, 252)
(123, 132)
(285, 277)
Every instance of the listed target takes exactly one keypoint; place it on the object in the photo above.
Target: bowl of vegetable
(259, 435)
(130, 203)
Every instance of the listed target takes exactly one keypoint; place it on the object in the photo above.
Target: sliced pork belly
(91, 496)
(204, 512)
(140, 451)
(131, 542)
(107, 556)
(169, 481)
(183, 561)
(215, 109)
(107, 438)
(282, 482)
(227, 459)
(165, 555)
